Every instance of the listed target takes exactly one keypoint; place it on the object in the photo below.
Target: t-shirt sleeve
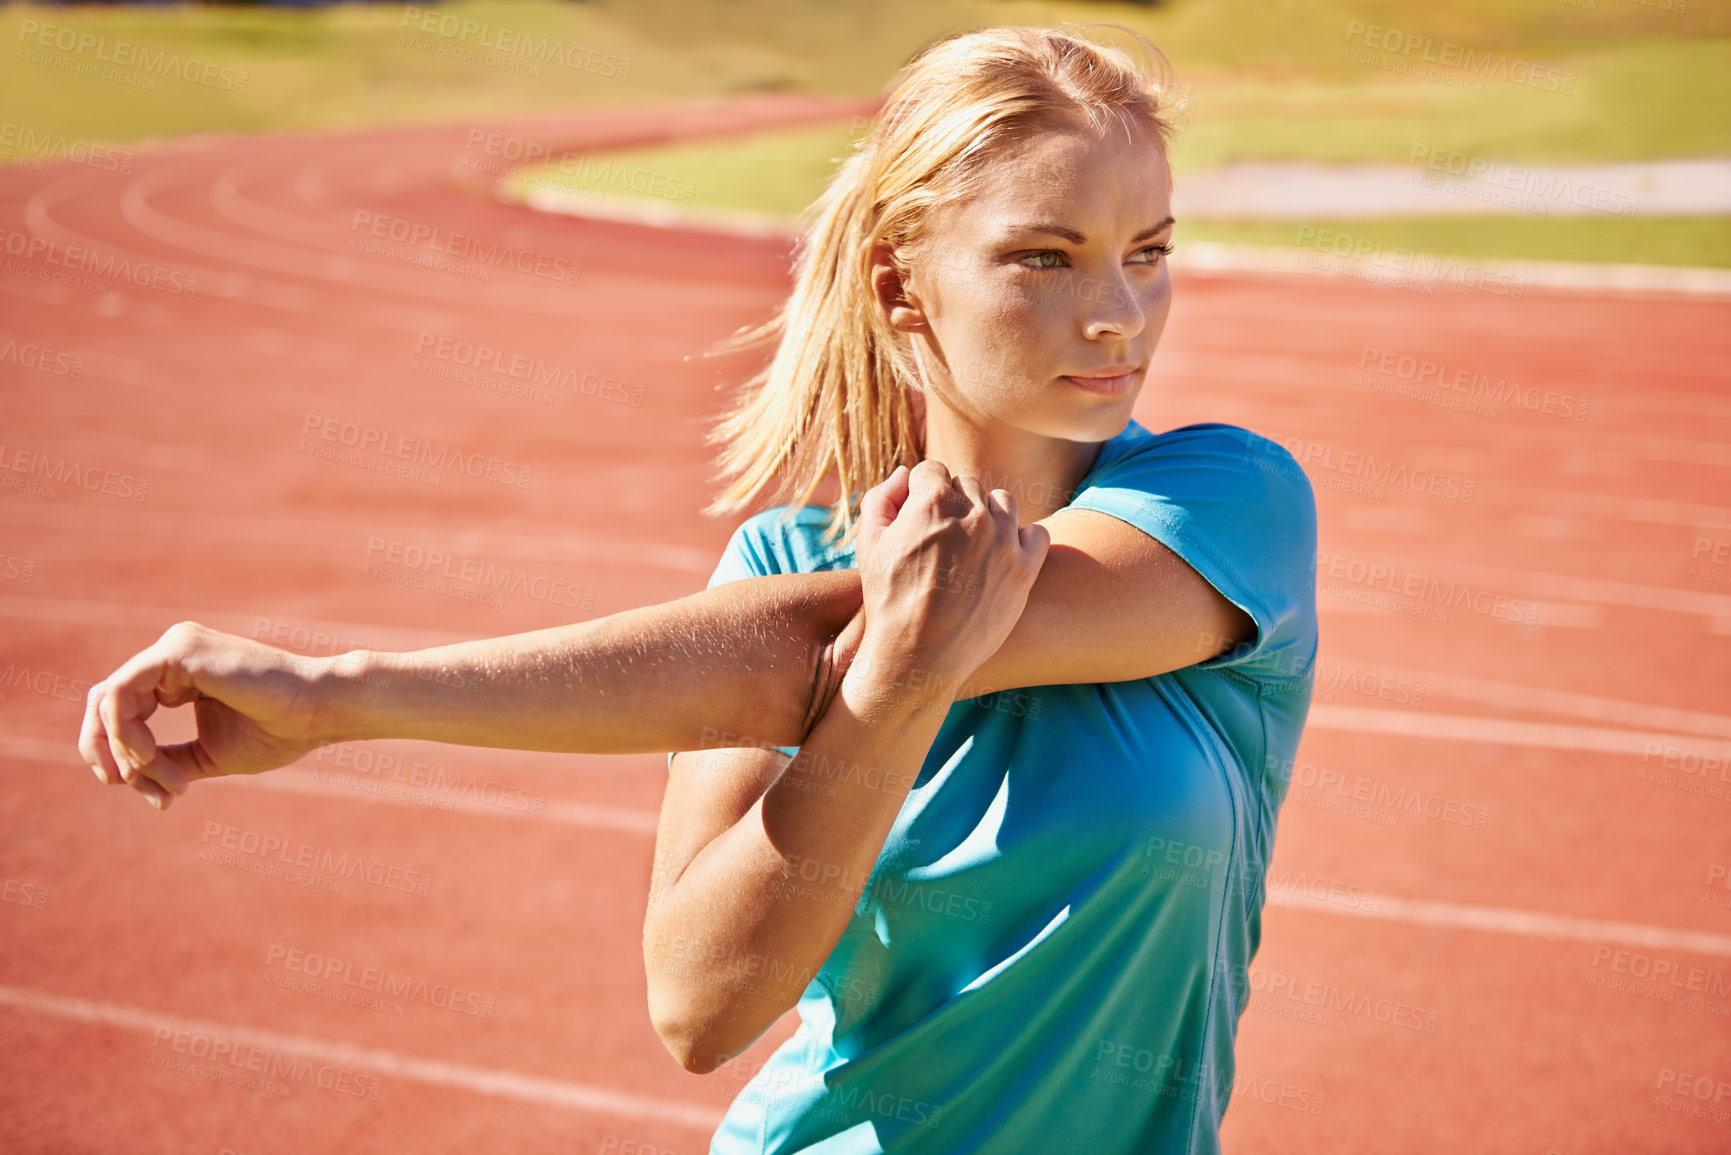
(1236, 507)
(749, 552)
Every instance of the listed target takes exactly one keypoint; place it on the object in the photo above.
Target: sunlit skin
(972, 578)
(1056, 267)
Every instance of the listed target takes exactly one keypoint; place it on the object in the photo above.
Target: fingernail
(100, 776)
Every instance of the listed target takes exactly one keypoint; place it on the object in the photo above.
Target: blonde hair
(835, 397)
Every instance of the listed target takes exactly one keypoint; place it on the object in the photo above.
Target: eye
(1056, 255)
(1159, 251)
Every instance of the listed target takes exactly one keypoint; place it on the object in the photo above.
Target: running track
(1458, 988)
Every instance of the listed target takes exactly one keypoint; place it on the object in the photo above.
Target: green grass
(1266, 76)
(779, 173)
(1266, 79)
(772, 172)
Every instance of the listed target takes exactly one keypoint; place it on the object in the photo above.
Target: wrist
(896, 677)
(336, 688)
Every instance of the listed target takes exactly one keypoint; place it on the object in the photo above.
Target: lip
(1110, 381)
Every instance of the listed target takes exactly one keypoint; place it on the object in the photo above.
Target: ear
(899, 305)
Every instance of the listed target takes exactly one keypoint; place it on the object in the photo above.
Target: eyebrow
(1078, 238)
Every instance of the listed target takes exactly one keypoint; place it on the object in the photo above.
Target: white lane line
(1570, 587)
(1206, 257)
(299, 635)
(1541, 698)
(1505, 920)
(1550, 735)
(481, 1080)
(566, 813)
(1530, 923)
(291, 781)
(356, 536)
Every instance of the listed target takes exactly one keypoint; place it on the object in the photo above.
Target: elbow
(690, 1037)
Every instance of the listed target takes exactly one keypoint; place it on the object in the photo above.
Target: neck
(1040, 472)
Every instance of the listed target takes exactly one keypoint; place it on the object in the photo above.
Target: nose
(1113, 308)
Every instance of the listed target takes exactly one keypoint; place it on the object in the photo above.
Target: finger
(190, 761)
(1002, 501)
(154, 794)
(131, 697)
(973, 491)
(929, 477)
(130, 752)
(1035, 540)
(93, 741)
(166, 773)
(881, 503)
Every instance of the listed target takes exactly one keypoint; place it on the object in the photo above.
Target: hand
(945, 569)
(252, 702)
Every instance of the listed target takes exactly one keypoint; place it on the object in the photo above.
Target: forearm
(732, 943)
(749, 656)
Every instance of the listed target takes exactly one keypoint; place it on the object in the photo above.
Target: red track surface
(1509, 1032)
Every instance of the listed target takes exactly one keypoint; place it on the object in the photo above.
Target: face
(1038, 301)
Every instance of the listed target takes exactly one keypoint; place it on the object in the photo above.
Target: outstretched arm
(762, 656)
(755, 657)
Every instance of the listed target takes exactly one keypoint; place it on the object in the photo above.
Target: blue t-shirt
(1050, 953)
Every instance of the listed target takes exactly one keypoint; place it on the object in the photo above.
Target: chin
(1102, 420)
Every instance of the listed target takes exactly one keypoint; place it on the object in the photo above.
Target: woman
(988, 792)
